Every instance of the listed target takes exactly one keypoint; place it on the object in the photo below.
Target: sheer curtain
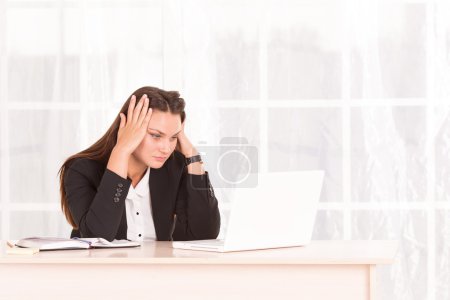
(360, 89)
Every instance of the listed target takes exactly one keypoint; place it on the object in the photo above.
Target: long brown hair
(166, 101)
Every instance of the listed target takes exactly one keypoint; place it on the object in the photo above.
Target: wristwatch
(193, 159)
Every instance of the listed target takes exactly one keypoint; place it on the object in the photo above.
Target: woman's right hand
(133, 127)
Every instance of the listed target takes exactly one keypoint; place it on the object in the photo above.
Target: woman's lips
(160, 158)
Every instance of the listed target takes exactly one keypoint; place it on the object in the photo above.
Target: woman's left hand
(184, 145)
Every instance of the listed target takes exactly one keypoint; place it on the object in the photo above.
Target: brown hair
(166, 101)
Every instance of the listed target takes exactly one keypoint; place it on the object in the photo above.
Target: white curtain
(359, 88)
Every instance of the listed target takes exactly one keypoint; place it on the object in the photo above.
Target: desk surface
(318, 252)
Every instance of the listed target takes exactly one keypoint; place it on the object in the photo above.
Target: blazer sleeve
(97, 210)
(196, 210)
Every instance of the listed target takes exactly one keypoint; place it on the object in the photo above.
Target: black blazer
(183, 205)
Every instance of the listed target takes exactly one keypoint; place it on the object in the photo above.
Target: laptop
(279, 212)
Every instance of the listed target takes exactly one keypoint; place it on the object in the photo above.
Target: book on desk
(55, 243)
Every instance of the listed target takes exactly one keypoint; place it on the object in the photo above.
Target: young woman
(143, 179)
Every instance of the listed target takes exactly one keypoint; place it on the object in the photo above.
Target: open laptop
(279, 212)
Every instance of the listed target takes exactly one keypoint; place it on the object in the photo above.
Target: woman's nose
(165, 146)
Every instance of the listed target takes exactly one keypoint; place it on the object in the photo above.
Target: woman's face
(160, 140)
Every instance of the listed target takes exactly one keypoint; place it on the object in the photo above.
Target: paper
(53, 243)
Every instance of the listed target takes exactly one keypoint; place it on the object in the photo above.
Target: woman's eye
(156, 136)
(174, 138)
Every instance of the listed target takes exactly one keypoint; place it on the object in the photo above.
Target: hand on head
(133, 127)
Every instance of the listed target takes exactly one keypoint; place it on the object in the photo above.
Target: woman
(143, 179)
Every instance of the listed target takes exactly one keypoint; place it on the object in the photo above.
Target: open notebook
(53, 243)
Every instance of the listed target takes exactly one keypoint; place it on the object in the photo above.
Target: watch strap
(193, 159)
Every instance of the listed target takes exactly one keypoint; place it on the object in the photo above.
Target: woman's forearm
(196, 168)
(118, 162)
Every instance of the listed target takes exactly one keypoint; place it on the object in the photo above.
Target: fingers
(143, 112)
(147, 118)
(122, 124)
(131, 108)
(123, 120)
(137, 110)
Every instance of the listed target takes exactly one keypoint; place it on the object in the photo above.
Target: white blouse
(139, 211)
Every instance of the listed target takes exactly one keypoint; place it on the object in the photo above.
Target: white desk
(321, 270)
